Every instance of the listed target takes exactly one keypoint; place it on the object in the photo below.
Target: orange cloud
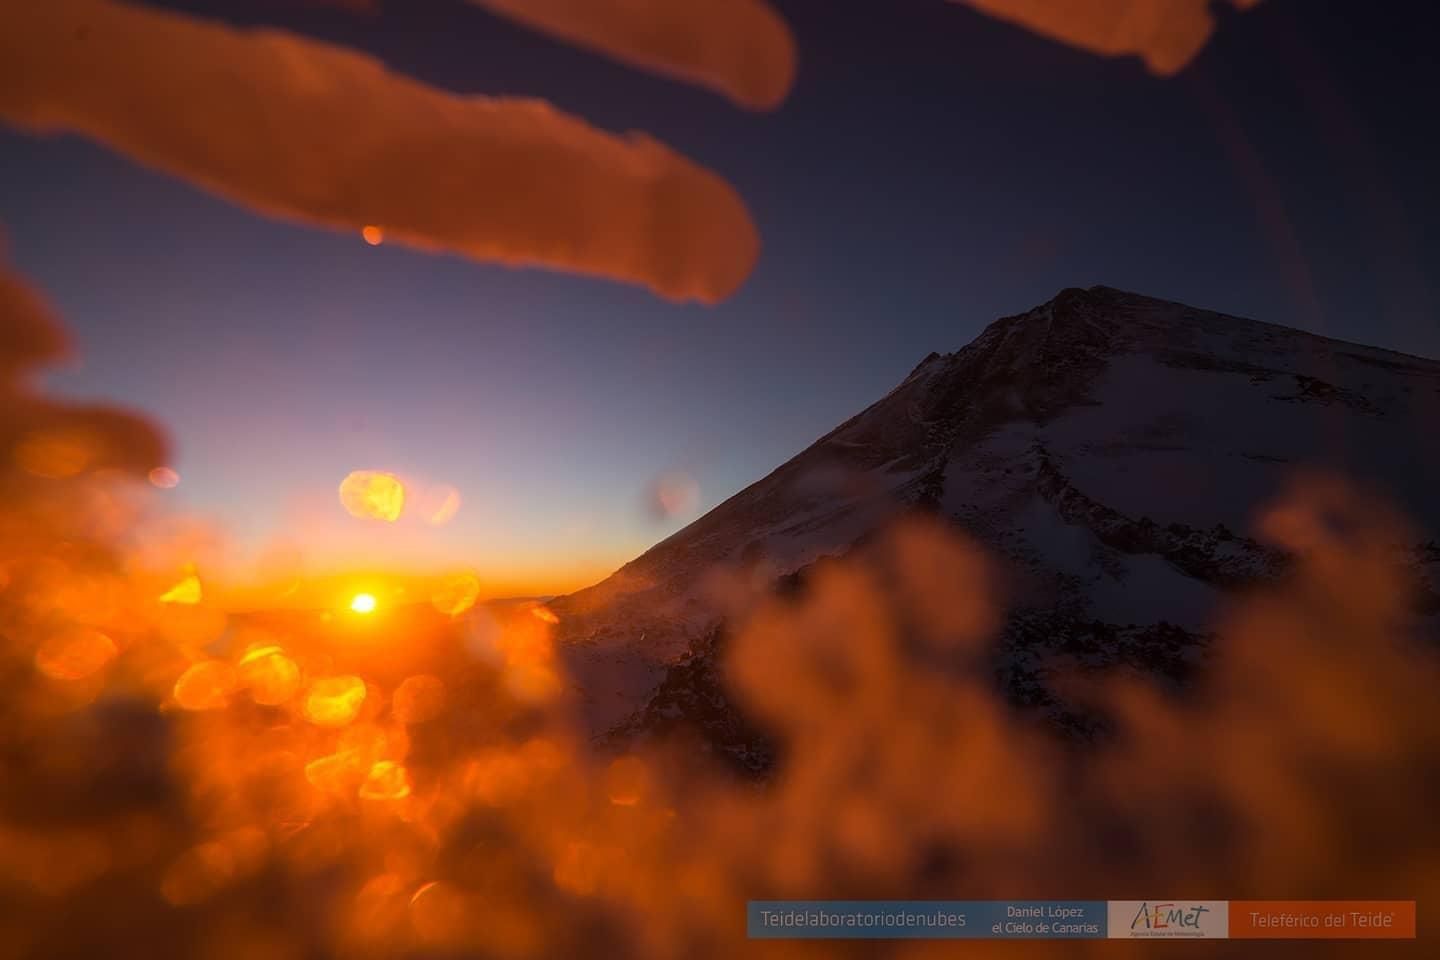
(739, 48)
(1166, 34)
(28, 335)
(297, 129)
(49, 440)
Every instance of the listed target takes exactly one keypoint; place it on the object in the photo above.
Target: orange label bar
(1322, 919)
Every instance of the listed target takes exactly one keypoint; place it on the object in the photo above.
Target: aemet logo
(1196, 919)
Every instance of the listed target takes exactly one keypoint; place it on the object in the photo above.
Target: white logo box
(1167, 919)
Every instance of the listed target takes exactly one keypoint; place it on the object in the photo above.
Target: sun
(363, 603)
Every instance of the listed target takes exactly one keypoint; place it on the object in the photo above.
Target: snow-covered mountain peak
(1109, 449)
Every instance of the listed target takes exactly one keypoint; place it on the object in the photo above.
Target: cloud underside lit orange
(739, 48)
(44, 438)
(1166, 34)
(314, 133)
(744, 50)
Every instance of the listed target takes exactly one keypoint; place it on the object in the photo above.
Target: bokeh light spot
(271, 676)
(198, 874)
(448, 507)
(205, 685)
(418, 699)
(456, 594)
(75, 655)
(334, 701)
(439, 913)
(577, 870)
(674, 494)
(187, 591)
(626, 781)
(387, 780)
(164, 478)
(329, 773)
(373, 495)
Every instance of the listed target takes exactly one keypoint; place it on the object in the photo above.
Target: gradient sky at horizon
(933, 170)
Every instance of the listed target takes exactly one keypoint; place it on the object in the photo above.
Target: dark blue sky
(933, 169)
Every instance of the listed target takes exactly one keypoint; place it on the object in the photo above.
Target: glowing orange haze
(334, 590)
(376, 533)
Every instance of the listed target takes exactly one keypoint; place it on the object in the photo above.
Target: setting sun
(363, 603)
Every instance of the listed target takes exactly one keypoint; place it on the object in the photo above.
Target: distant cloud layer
(1166, 34)
(306, 131)
(741, 48)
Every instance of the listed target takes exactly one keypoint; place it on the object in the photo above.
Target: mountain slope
(1109, 449)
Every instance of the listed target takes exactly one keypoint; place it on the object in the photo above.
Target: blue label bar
(926, 919)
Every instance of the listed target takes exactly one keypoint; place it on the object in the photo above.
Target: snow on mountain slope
(1111, 451)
